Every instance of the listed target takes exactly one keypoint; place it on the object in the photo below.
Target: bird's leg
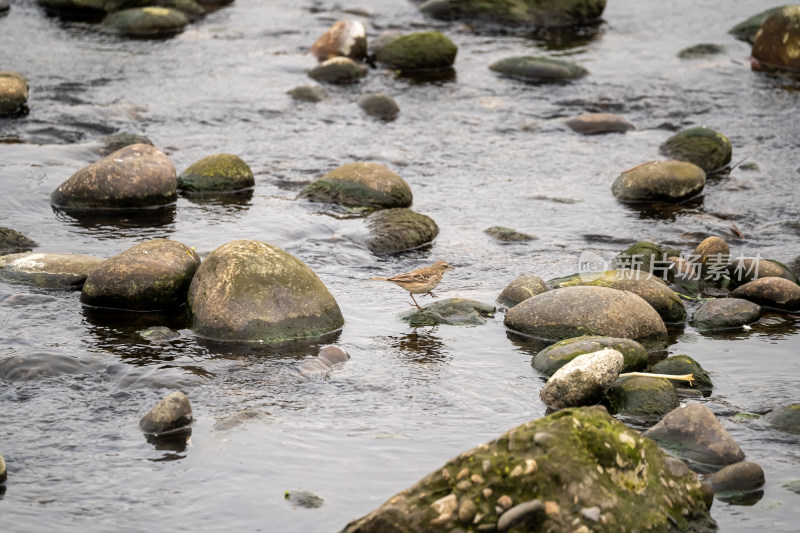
(430, 293)
(415, 301)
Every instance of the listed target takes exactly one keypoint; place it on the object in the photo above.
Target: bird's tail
(377, 278)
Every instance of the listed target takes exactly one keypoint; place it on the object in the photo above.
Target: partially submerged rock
(399, 230)
(520, 289)
(14, 242)
(346, 38)
(13, 93)
(452, 311)
(49, 271)
(643, 255)
(538, 69)
(146, 22)
(415, 51)
(508, 235)
(701, 50)
(660, 181)
(597, 123)
(706, 148)
(321, 365)
(217, 173)
(303, 498)
(117, 141)
(528, 14)
(786, 418)
(159, 334)
(777, 293)
(308, 93)
(642, 396)
(680, 365)
(537, 472)
(725, 314)
(338, 70)
(360, 184)
(173, 413)
(741, 477)
(547, 361)
(747, 30)
(777, 43)
(379, 105)
(583, 381)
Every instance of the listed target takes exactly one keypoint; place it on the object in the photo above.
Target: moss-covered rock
(598, 123)
(252, 291)
(644, 256)
(547, 361)
(452, 311)
(575, 455)
(117, 141)
(136, 176)
(379, 105)
(786, 418)
(14, 242)
(13, 93)
(747, 269)
(777, 44)
(679, 365)
(360, 184)
(346, 38)
(399, 230)
(49, 271)
(308, 93)
(508, 235)
(747, 30)
(642, 396)
(523, 287)
(172, 413)
(777, 293)
(529, 14)
(151, 276)
(706, 148)
(427, 50)
(145, 22)
(533, 69)
(659, 181)
(582, 381)
(725, 313)
(338, 70)
(574, 311)
(217, 173)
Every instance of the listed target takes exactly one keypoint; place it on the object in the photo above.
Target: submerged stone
(777, 44)
(777, 293)
(14, 242)
(508, 235)
(159, 334)
(399, 230)
(701, 50)
(379, 105)
(173, 413)
(547, 361)
(659, 181)
(146, 22)
(49, 271)
(338, 70)
(13, 93)
(346, 38)
(117, 141)
(360, 184)
(706, 148)
(679, 365)
(308, 93)
(598, 123)
(452, 311)
(583, 381)
(642, 396)
(545, 466)
(428, 50)
(529, 14)
(520, 289)
(785, 418)
(217, 173)
(747, 30)
(724, 314)
(303, 498)
(644, 256)
(538, 69)
(324, 361)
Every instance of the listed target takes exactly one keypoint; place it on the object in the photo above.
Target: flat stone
(549, 360)
(598, 123)
(538, 69)
(49, 271)
(659, 181)
(338, 70)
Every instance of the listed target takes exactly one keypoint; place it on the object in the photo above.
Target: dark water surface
(478, 151)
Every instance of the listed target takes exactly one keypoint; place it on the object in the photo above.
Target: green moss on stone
(428, 50)
(557, 355)
(538, 69)
(706, 148)
(217, 173)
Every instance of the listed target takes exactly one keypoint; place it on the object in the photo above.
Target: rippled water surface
(478, 151)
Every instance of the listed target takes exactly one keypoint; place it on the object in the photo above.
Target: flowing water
(477, 150)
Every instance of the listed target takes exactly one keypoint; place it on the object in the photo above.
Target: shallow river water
(477, 150)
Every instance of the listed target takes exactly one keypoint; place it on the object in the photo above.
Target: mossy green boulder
(679, 365)
(530, 478)
(360, 184)
(747, 30)
(547, 361)
(48, 271)
(13, 93)
(215, 174)
(145, 22)
(706, 148)
(399, 230)
(520, 289)
(452, 311)
(249, 290)
(659, 181)
(427, 50)
(777, 44)
(538, 69)
(642, 396)
(151, 276)
(530, 14)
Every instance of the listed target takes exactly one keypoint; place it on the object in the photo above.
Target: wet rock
(49, 271)
(588, 457)
(523, 287)
(398, 230)
(725, 313)
(680, 365)
(582, 381)
(173, 413)
(777, 293)
(777, 43)
(682, 273)
(151, 276)
(701, 50)
(136, 176)
(664, 300)
(322, 364)
(193, 10)
(597, 123)
(217, 173)
(4, 7)
(508, 235)
(14, 242)
(379, 105)
(785, 418)
(346, 38)
(159, 334)
(303, 498)
(538, 69)
(740, 477)
(659, 181)
(117, 141)
(34, 365)
(145, 22)
(338, 70)
(747, 30)
(308, 93)
(696, 435)
(547, 361)
(251, 291)
(712, 257)
(13, 93)
(3, 470)
(706, 148)
(642, 396)
(645, 256)
(452, 311)
(744, 269)
(794, 266)
(574, 311)
(239, 418)
(530, 14)
(360, 184)
(522, 514)
(428, 50)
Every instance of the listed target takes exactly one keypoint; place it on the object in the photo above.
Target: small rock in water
(14, 242)
(346, 38)
(508, 235)
(322, 364)
(747, 30)
(217, 173)
(145, 22)
(338, 70)
(308, 93)
(583, 381)
(379, 105)
(745, 269)
(49, 271)
(777, 293)
(3, 471)
(597, 123)
(680, 365)
(237, 419)
(739, 477)
(452, 311)
(173, 413)
(399, 230)
(427, 50)
(785, 418)
(706, 148)
(520, 289)
(117, 141)
(712, 257)
(549, 360)
(725, 314)
(659, 181)
(13, 93)
(701, 50)
(360, 184)
(642, 396)
(159, 334)
(303, 498)
(4, 6)
(538, 69)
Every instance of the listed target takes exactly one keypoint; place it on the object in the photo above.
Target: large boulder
(146, 22)
(427, 50)
(659, 181)
(547, 361)
(151, 276)
(14, 242)
(725, 313)
(564, 472)
(49, 271)
(252, 291)
(520, 289)
(574, 311)
(360, 184)
(582, 381)
(217, 173)
(706, 148)
(399, 230)
(136, 176)
(528, 14)
(346, 38)
(13, 93)
(777, 42)
(533, 69)
(747, 30)
(777, 293)
(173, 413)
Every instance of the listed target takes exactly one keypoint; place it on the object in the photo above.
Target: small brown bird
(420, 281)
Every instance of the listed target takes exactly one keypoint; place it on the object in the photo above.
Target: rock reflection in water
(423, 348)
(122, 223)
